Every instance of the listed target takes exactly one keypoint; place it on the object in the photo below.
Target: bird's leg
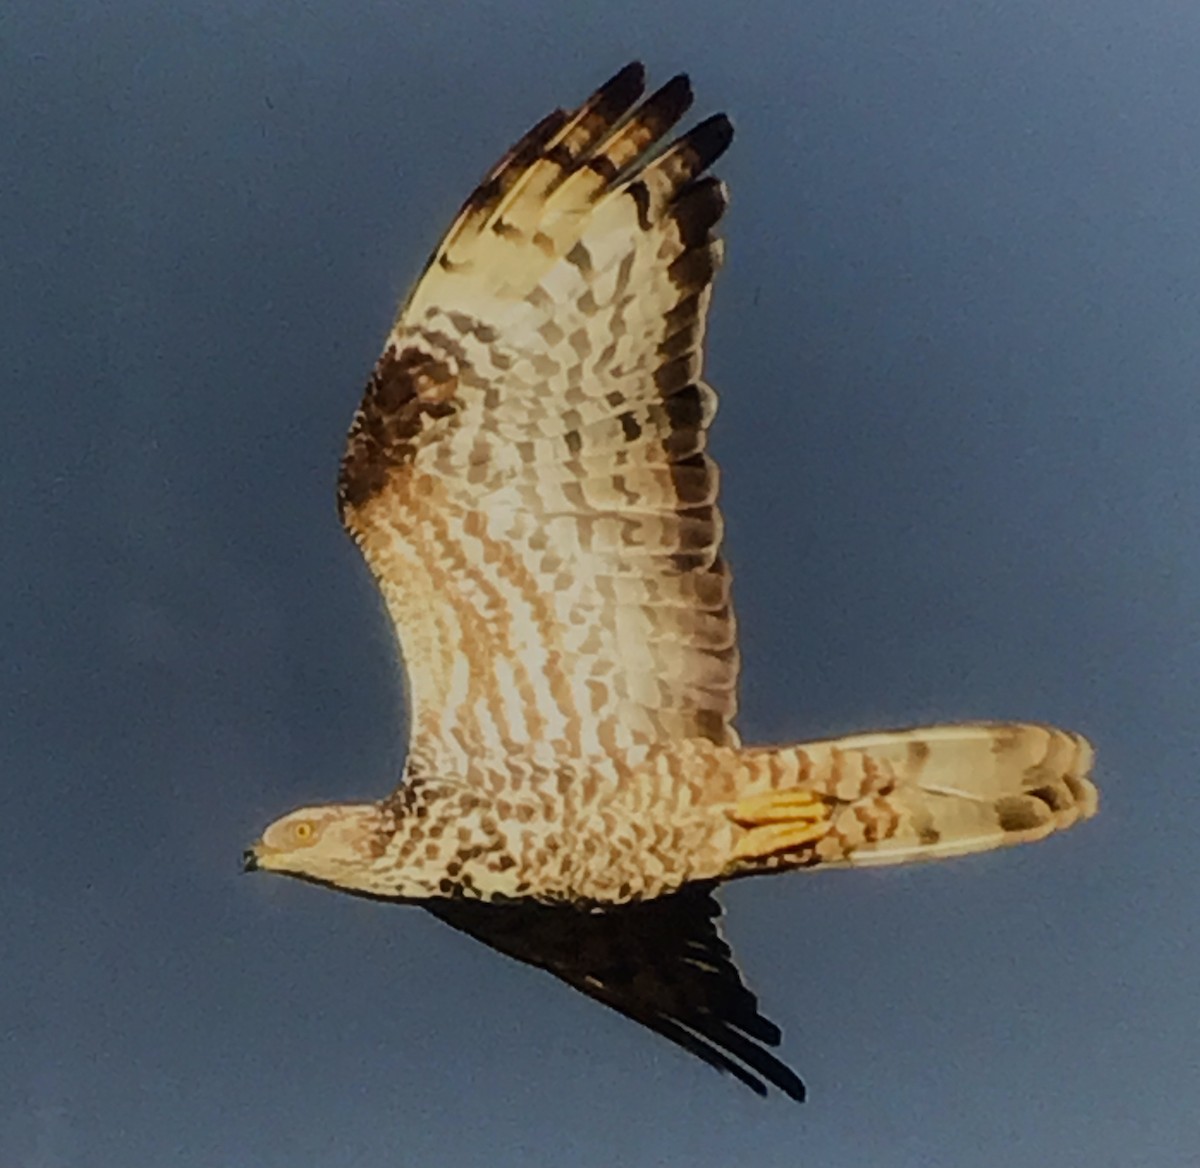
(779, 821)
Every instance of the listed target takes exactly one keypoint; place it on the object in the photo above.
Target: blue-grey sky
(957, 346)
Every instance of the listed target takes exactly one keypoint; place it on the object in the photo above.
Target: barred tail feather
(901, 796)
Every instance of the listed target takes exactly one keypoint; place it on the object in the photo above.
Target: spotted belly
(463, 843)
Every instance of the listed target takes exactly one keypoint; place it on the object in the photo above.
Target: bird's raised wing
(661, 962)
(527, 476)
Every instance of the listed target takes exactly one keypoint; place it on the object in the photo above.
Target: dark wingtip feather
(760, 1028)
(761, 1062)
(667, 104)
(709, 140)
(627, 82)
(705, 1049)
(618, 94)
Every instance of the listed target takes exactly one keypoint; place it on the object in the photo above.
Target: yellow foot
(780, 807)
(780, 821)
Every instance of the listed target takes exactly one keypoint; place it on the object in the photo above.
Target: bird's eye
(303, 831)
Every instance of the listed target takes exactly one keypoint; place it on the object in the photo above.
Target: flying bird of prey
(528, 481)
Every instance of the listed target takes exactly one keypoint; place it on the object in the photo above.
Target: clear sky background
(957, 344)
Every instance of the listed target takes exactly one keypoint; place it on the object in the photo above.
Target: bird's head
(334, 844)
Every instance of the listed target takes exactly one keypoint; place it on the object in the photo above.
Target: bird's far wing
(527, 477)
(662, 963)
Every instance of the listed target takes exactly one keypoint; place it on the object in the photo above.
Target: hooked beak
(260, 858)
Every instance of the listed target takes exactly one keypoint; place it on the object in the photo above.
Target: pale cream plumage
(528, 480)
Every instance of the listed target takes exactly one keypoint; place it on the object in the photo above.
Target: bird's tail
(894, 797)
